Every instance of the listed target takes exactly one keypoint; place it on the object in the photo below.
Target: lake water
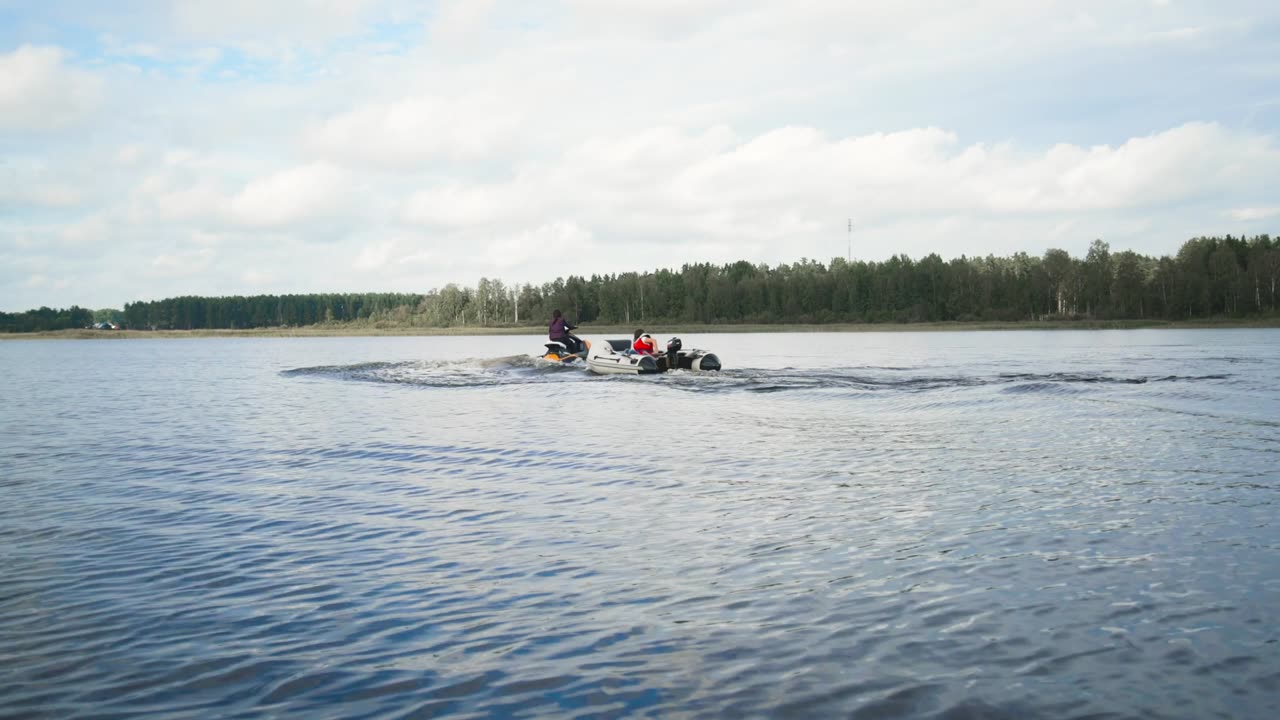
(938, 525)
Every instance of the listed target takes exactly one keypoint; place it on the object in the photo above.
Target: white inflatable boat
(615, 357)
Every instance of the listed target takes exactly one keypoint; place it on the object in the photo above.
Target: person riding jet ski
(564, 345)
(560, 332)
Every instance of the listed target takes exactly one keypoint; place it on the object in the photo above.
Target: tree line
(257, 311)
(46, 319)
(1209, 277)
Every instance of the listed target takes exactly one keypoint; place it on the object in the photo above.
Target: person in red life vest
(643, 344)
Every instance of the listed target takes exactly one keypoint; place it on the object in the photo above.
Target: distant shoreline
(658, 327)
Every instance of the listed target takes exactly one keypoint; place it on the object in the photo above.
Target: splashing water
(523, 370)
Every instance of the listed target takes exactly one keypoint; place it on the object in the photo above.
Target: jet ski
(615, 357)
(558, 352)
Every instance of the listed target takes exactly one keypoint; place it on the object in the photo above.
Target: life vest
(645, 344)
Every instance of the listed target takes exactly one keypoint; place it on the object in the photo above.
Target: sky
(155, 148)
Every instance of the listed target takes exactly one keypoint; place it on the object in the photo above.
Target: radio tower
(849, 258)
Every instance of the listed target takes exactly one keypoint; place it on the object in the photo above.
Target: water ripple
(1080, 532)
(522, 370)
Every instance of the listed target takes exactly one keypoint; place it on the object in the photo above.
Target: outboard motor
(673, 353)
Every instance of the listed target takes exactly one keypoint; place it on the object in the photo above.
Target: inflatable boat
(615, 357)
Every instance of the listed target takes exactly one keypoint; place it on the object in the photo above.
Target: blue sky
(150, 149)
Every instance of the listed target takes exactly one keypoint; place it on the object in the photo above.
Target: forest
(1209, 278)
(46, 319)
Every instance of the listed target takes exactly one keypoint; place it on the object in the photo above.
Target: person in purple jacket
(560, 332)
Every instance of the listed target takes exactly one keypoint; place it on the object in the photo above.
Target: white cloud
(457, 206)
(1183, 162)
(375, 256)
(38, 91)
(267, 27)
(28, 184)
(654, 14)
(158, 201)
(794, 180)
(409, 132)
(1181, 34)
(114, 46)
(1253, 213)
(258, 278)
(194, 188)
(92, 229)
(662, 196)
(182, 263)
(457, 20)
(50, 195)
(553, 240)
(297, 195)
(303, 139)
(129, 154)
(389, 251)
